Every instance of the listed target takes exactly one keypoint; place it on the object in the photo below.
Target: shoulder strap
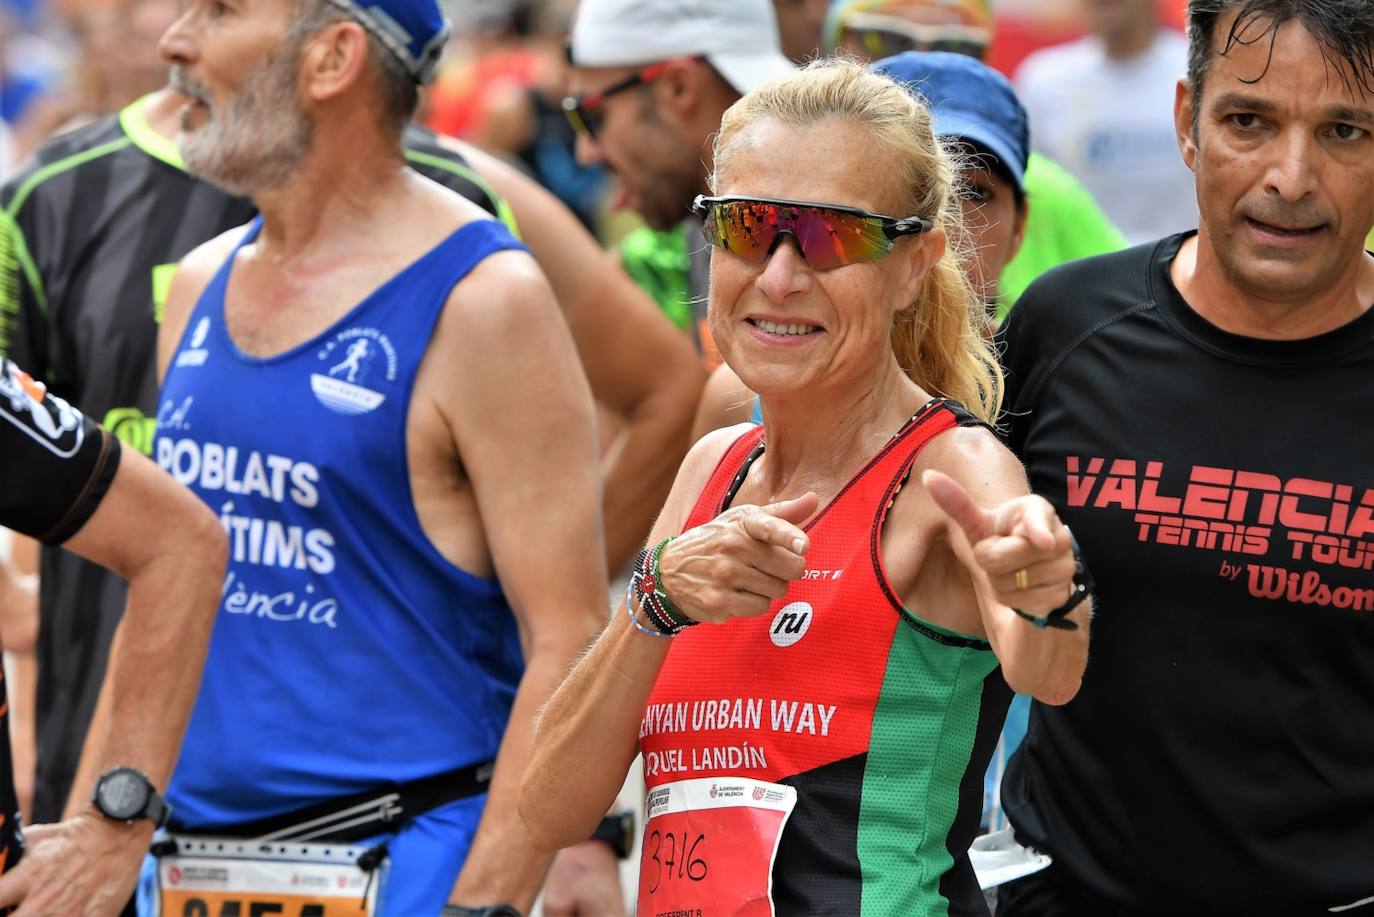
(870, 489)
(726, 477)
(211, 300)
(885, 471)
(935, 418)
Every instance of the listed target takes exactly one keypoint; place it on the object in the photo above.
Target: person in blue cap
(375, 390)
(977, 108)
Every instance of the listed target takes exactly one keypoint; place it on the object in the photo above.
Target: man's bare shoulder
(501, 295)
(442, 203)
(500, 321)
(202, 262)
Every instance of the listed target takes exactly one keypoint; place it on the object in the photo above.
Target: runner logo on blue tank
(349, 363)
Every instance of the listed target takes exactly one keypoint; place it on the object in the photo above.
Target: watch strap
(158, 810)
(618, 830)
(1083, 585)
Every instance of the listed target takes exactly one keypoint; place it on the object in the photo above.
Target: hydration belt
(361, 815)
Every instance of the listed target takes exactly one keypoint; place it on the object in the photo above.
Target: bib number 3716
(709, 846)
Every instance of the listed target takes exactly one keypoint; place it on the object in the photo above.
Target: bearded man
(415, 545)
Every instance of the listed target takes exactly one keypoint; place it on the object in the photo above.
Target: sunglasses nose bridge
(778, 239)
(789, 233)
(798, 258)
(783, 274)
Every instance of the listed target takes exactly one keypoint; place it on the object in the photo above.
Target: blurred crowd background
(66, 61)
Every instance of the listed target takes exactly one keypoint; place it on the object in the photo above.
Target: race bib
(709, 846)
(212, 877)
(997, 858)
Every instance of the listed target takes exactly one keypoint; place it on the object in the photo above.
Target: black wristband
(493, 910)
(618, 830)
(1083, 585)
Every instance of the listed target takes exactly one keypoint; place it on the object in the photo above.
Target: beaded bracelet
(674, 614)
(655, 614)
(646, 578)
(630, 613)
(652, 610)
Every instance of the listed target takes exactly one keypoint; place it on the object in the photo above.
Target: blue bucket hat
(415, 31)
(969, 101)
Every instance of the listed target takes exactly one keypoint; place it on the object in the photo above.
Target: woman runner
(872, 576)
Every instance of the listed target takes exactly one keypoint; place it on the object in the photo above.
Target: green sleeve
(1064, 224)
(660, 265)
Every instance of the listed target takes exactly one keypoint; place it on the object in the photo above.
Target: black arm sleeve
(57, 463)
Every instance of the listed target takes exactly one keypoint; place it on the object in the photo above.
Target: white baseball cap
(739, 37)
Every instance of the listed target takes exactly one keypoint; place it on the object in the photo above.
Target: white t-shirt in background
(1111, 124)
(6, 164)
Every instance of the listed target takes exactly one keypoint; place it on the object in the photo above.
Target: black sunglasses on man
(584, 111)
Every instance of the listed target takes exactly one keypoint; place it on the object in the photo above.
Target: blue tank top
(347, 651)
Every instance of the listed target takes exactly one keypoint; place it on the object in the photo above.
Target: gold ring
(1022, 579)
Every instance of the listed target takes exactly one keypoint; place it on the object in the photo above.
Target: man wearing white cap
(651, 79)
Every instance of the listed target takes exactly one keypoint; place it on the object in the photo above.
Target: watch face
(122, 795)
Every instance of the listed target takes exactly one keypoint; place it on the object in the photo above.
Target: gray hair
(396, 88)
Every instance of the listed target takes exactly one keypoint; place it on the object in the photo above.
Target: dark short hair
(396, 89)
(975, 155)
(1343, 29)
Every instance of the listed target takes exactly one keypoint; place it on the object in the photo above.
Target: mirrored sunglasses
(828, 236)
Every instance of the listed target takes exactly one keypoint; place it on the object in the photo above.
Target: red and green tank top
(883, 722)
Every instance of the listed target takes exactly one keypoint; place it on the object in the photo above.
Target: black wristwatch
(618, 830)
(125, 794)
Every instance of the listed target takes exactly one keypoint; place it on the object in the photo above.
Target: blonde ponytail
(940, 340)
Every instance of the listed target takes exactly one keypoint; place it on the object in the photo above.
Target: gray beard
(255, 141)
